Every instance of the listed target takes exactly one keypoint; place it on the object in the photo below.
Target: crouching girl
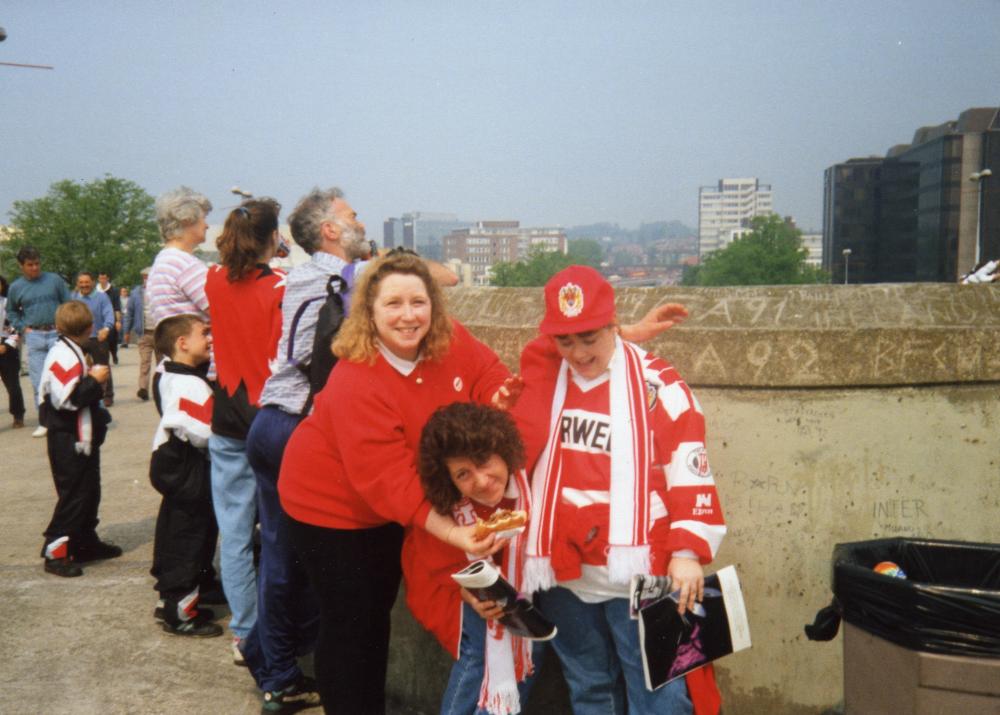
(471, 464)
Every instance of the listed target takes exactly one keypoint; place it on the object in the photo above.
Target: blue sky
(548, 112)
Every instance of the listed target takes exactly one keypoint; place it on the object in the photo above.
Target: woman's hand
(506, 395)
(688, 576)
(464, 538)
(487, 610)
(661, 318)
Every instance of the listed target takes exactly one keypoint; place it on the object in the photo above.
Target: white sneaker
(40, 431)
(238, 658)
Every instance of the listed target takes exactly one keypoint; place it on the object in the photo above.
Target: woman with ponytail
(244, 298)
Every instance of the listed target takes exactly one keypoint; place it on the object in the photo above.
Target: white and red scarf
(65, 366)
(631, 457)
(508, 658)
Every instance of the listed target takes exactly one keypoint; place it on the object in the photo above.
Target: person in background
(10, 361)
(177, 278)
(70, 408)
(139, 320)
(123, 296)
(31, 309)
(105, 286)
(244, 296)
(98, 347)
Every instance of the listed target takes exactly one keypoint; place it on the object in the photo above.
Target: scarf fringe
(503, 701)
(538, 574)
(623, 561)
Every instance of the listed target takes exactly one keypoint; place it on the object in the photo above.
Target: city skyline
(584, 113)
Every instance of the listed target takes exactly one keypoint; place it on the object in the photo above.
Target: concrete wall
(835, 413)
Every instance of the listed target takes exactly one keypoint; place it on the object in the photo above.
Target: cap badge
(571, 300)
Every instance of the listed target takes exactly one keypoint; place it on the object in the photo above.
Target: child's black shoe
(95, 551)
(198, 627)
(63, 567)
(205, 614)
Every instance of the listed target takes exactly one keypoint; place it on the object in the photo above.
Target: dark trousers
(77, 480)
(99, 352)
(183, 547)
(10, 368)
(112, 342)
(287, 608)
(356, 574)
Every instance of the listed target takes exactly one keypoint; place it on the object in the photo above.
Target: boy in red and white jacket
(69, 406)
(179, 470)
(622, 487)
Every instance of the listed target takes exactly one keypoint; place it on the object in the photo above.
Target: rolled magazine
(484, 580)
(672, 644)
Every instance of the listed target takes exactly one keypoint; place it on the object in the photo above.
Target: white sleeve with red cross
(696, 522)
(187, 410)
(61, 373)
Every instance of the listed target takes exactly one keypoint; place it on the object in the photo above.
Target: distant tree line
(542, 264)
(106, 225)
(770, 254)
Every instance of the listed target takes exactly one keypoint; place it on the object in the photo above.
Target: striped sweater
(176, 285)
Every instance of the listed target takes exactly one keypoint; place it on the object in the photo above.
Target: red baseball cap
(577, 300)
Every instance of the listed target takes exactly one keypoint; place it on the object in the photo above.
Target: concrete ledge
(788, 336)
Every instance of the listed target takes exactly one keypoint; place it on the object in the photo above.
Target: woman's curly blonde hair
(356, 339)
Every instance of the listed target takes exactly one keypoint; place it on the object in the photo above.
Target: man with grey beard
(327, 228)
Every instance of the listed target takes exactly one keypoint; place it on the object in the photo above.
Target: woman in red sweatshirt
(348, 477)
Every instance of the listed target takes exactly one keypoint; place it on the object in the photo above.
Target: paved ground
(89, 644)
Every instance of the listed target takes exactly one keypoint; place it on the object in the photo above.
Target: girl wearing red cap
(622, 486)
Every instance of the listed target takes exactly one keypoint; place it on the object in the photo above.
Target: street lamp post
(847, 263)
(978, 177)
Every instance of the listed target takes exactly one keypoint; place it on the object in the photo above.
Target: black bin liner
(949, 603)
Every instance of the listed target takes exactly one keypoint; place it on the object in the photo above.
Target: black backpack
(331, 316)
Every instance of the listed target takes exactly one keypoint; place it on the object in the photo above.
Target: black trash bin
(926, 644)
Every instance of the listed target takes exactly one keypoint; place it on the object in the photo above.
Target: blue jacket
(134, 320)
(100, 307)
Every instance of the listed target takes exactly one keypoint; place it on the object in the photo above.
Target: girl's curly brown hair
(464, 429)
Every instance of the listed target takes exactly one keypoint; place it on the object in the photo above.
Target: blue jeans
(598, 642)
(234, 495)
(461, 697)
(287, 610)
(39, 342)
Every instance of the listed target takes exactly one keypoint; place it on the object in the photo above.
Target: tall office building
(420, 231)
(927, 211)
(725, 209)
(392, 232)
(490, 242)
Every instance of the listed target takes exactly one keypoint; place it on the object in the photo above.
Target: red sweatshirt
(246, 326)
(352, 463)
